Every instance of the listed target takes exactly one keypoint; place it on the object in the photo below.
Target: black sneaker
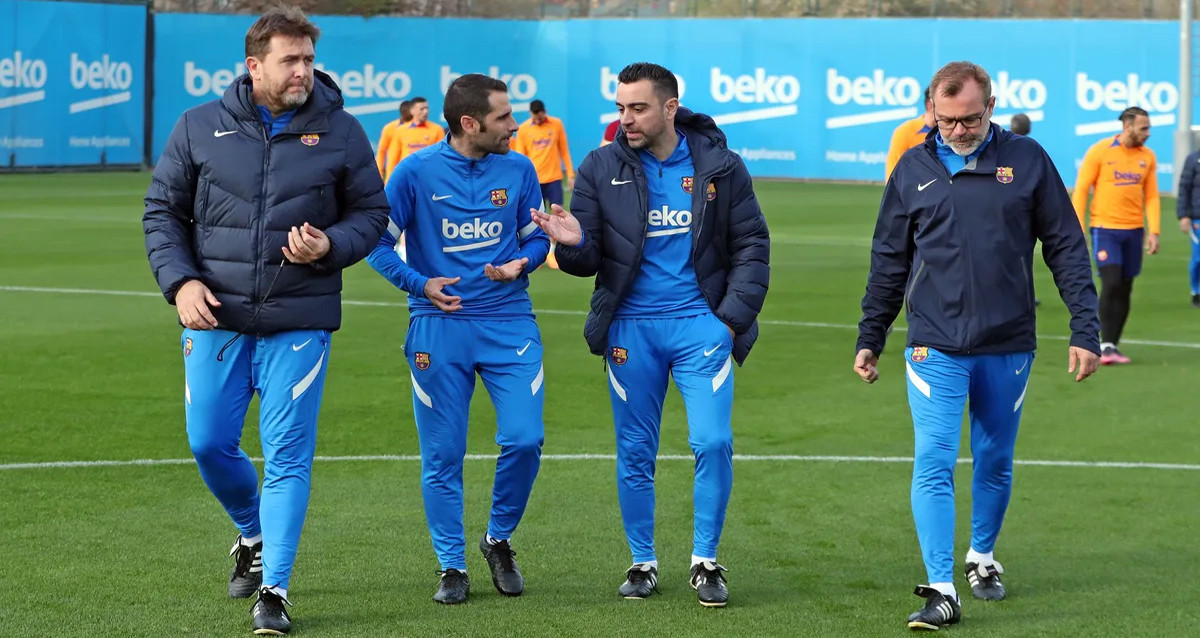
(641, 580)
(246, 577)
(1196, 301)
(270, 616)
(708, 579)
(985, 581)
(453, 587)
(939, 610)
(505, 574)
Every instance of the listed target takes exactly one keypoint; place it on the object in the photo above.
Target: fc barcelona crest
(310, 139)
(619, 356)
(687, 185)
(500, 197)
(1004, 174)
(711, 193)
(920, 353)
(187, 346)
(421, 360)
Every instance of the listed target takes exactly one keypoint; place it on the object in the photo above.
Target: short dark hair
(1130, 114)
(928, 95)
(537, 106)
(663, 81)
(469, 95)
(1020, 124)
(950, 79)
(279, 20)
(418, 100)
(405, 110)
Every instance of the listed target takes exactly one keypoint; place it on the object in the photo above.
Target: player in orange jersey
(387, 139)
(544, 140)
(908, 135)
(1119, 172)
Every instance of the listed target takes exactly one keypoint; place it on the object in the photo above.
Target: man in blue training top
(955, 236)
(465, 203)
(667, 221)
(258, 202)
(1187, 209)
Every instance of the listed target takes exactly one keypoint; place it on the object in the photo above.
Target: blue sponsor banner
(376, 62)
(801, 98)
(72, 83)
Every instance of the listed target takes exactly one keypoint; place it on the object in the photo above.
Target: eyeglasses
(968, 122)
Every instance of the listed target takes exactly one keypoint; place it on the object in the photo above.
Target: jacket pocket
(200, 205)
(912, 285)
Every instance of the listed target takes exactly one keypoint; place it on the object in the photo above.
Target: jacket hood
(325, 98)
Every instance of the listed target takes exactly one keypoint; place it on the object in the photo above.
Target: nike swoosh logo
(521, 352)
(616, 183)
(1022, 368)
(222, 133)
(438, 198)
(708, 353)
(298, 348)
(921, 187)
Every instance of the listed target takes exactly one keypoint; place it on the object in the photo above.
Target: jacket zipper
(262, 211)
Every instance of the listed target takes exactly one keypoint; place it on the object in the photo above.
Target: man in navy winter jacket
(258, 202)
(666, 220)
(955, 236)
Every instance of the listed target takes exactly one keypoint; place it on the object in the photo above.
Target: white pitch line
(612, 457)
(572, 313)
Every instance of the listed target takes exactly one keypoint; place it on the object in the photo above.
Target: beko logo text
(20, 72)
(666, 217)
(760, 88)
(474, 229)
(102, 74)
(876, 89)
(1014, 93)
(1091, 95)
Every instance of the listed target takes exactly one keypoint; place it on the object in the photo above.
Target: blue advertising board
(72, 83)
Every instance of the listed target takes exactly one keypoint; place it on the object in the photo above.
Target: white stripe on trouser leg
(1195, 238)
(719, 380)
(1021, 399)
(187, 392)
(537, 381)
(921, 385)
(421, 396)
(527, 230)
(299, 388)
(617, 386)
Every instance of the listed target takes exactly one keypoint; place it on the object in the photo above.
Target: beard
(485, 142)
(964, 145)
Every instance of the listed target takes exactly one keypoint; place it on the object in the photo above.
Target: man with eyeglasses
(955, 235)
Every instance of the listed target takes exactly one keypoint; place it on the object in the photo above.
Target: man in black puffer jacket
(666, 220)
(258, 202)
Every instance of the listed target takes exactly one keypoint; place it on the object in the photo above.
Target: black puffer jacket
(225, 194)
(731, 247)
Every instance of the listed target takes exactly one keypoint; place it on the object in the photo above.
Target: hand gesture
(306, 245)
(508, 272)
(443, 302)
(864, 365)
(1152, 243)
(1086, 360)
(192, 301)
(559, 224)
